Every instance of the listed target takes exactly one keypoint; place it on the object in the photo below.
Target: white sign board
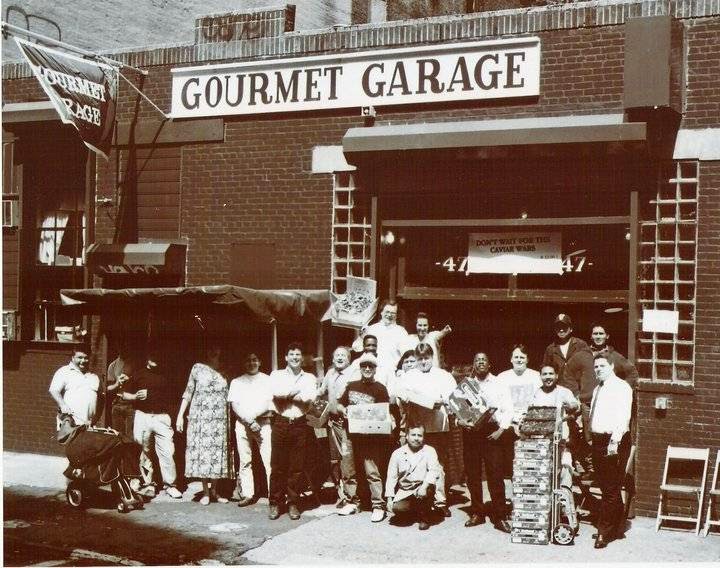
(515, 253)
(660, 321)
(431, 74)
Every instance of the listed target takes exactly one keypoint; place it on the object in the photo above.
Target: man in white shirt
(434, 386)
(293, 390)
(412, 477)
(342, 466)
(391, 337)
(75, 390)
(552, 394)
(424, 335)
(251, 398)
(610, 412)
(484, 445)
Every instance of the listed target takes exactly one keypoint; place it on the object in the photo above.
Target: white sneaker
(377, 515)
(173, 492)
(348, 509)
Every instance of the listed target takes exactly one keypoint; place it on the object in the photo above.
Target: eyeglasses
(366, 365)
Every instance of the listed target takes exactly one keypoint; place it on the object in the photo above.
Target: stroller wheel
(563, 534)
(75, 494)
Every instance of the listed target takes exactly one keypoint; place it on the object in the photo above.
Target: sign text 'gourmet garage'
(452, 72)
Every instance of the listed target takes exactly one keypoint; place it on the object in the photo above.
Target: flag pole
(144, 96)
(21, 31)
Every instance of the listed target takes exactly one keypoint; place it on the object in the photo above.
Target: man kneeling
(412, 476)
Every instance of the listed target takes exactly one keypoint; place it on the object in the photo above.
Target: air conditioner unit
(10, 213)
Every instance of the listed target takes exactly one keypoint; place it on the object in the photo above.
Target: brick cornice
(439, 29)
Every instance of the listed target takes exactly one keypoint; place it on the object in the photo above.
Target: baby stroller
(96, 457)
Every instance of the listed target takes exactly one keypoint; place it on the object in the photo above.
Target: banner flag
(83, 92)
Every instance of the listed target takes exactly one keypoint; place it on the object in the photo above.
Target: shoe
(173, 492)
(341, 503)
(245, 501)
(274, 512)
(377, 516)
(348, 509)
(205, 500)
(293, 512)
(147, 491)
(423, 525)
(236, 495)
(443, 510)
(475, 520)
(600, 542)
(502, 525)
(135, 484)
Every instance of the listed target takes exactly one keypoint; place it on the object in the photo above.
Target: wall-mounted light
(523, 215)
(388, 238)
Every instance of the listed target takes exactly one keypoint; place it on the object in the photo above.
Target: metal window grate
(351, 230)
(668, 249)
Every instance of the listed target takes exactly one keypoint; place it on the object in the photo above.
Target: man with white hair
(391, 337)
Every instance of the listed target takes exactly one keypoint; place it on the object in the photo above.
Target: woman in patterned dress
(207, 454)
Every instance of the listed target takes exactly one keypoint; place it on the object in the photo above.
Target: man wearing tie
(610, 412)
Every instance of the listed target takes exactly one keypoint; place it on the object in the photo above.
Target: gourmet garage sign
(452, 72)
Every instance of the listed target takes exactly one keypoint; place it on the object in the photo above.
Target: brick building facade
(620, 150)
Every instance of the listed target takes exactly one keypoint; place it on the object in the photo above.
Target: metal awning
(486, 133)
(267, 306)
(136, 258)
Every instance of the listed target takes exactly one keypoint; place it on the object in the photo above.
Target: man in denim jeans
(368, 449)
(152, 423)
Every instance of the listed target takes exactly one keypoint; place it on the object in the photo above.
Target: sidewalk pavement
(322, 537)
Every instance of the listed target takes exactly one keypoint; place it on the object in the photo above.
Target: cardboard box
(317, 414)
(531, 516)
(532, 488)
(530, 525)
(369, 418)
(419, 398)
(528, 540)
(527, 502)
(468, 405)
(357, 306)
(533, 444)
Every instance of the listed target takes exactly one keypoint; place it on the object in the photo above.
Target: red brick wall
(692, 417)
(28, 410)
(703, 79)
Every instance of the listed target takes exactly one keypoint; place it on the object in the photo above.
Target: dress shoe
(502, 525)
(423, 525)
(341, 503)
(600, 542)
(475, 520)
(245, 501)
(443, 510)
(274, 512)
(293, 512)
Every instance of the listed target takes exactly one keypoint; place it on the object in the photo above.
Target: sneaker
(341, 503)
(221, 500)
(274, 512)
(173, 492)
(293, 512)
(205, 500)
(423, 525)
(377, 515)
(348, 509)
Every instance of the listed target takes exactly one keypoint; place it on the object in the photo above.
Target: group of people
(405, 469)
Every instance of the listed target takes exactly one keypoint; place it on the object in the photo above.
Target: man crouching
(412, 476)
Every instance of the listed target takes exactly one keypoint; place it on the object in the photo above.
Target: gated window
(668, 235)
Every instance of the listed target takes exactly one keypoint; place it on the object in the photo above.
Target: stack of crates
(533, 471)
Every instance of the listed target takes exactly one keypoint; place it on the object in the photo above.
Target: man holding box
(484, 445)
(368, 450)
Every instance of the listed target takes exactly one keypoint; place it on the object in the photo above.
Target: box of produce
(356, 307)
